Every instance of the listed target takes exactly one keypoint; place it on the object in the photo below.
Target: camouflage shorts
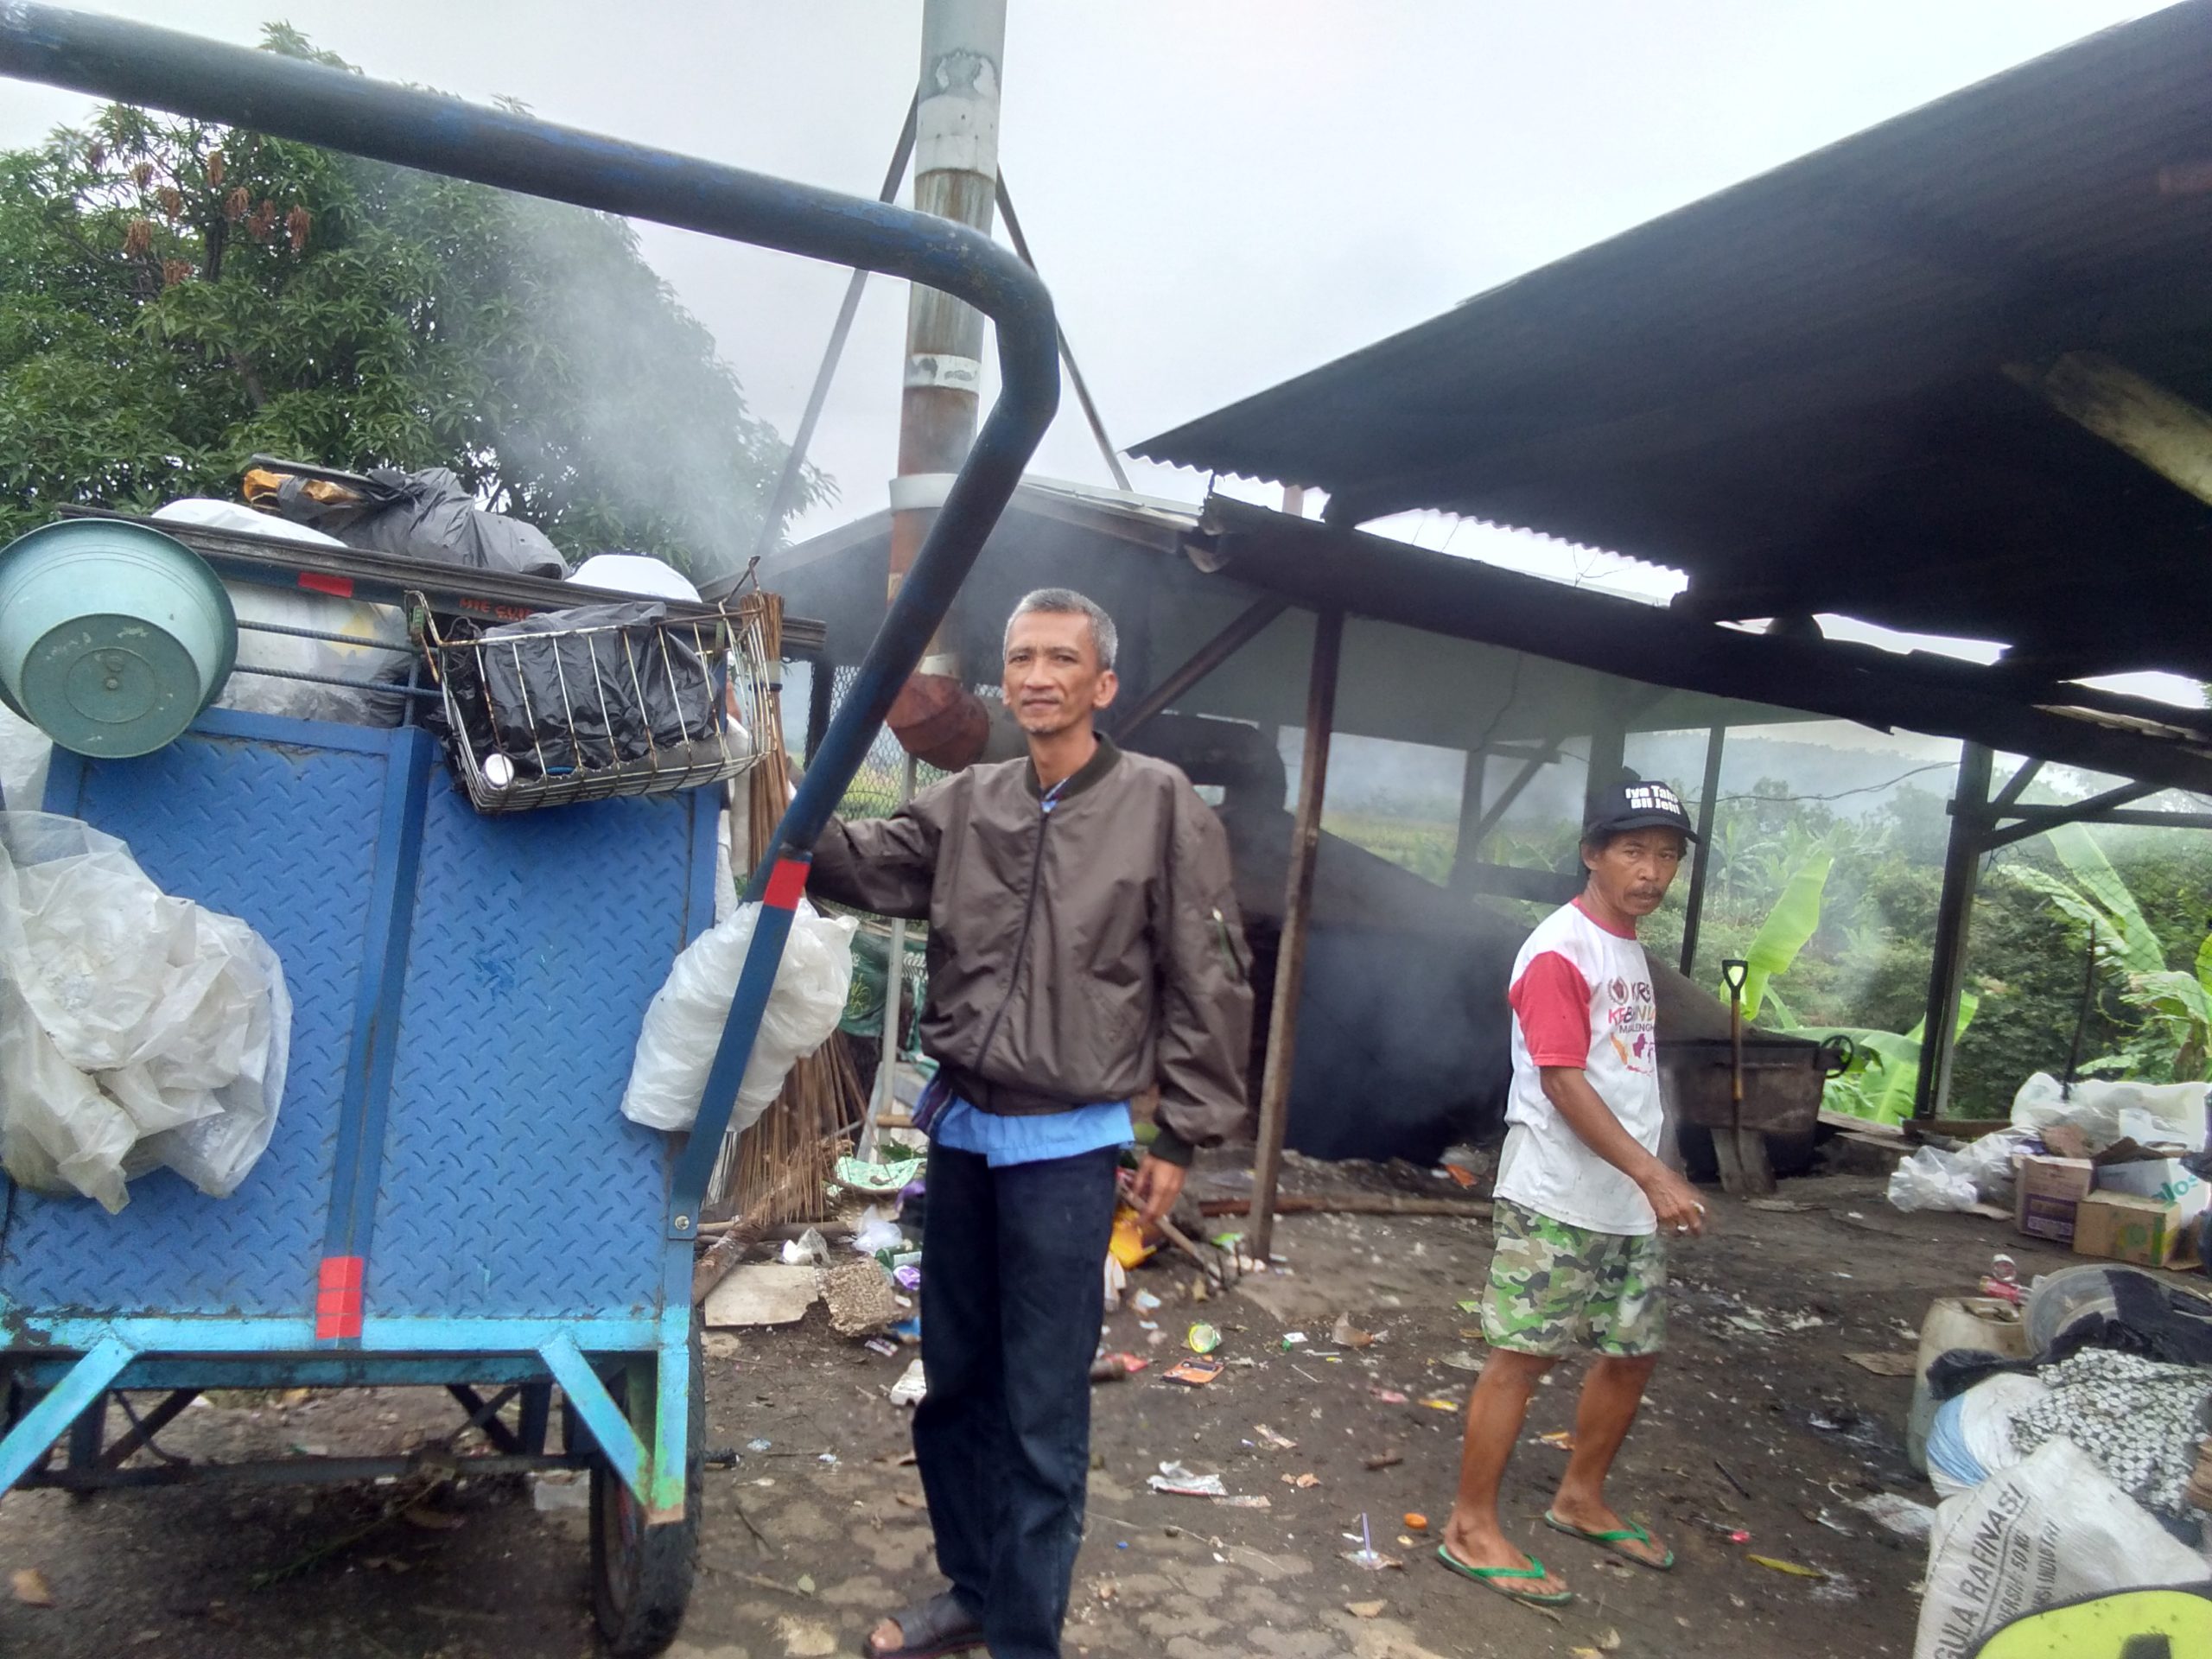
(1553, 1288)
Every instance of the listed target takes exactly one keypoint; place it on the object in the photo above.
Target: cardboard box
(2122, 1227)
(2160, 1178)
(2049, 1191)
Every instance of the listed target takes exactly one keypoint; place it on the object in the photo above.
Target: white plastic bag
(1933, 1180)
(25, 752)
(2104, 1112)
(374, 626)
(138, 1030)
(2050, 1530)
(877, 1231)
(683, 1026)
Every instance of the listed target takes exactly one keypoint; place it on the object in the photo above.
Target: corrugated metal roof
(1793, 390)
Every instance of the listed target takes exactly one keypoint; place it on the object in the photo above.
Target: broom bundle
(778, 1170)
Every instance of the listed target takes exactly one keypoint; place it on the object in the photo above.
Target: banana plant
(1793, 921)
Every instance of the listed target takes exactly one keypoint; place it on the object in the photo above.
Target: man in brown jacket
(1084, 943)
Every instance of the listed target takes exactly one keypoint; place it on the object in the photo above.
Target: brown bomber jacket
(1077, 953)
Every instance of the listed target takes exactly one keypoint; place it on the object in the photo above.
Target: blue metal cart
(451, 1198)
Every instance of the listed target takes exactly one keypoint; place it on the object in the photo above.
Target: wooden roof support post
(1954, 913)
(1297, 915)
(1701, 854)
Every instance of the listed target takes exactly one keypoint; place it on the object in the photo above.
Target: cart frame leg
(45, 1422)
(654, 1475)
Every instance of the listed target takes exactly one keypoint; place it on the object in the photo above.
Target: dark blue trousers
(1012, 1265)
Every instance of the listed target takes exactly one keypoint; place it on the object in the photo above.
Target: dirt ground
(1756, 1422)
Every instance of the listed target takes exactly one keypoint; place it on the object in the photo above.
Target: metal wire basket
(606, 700)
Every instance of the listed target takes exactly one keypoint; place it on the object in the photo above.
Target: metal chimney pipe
(956, 177)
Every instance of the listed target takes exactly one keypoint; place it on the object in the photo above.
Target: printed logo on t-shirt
(1632, 1023)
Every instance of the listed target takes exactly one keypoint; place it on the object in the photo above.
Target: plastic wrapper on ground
(683, 1025)
(137, 1030)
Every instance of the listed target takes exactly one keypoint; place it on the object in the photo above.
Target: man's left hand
(1157, 1185)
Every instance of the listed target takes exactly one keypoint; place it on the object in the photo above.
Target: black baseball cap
(1636, 805)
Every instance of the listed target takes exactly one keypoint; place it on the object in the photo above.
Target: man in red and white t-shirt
(1584, 1201)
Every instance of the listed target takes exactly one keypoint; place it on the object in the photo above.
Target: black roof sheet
(1795, 390)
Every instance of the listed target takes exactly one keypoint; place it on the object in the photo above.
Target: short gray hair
(1065, 601)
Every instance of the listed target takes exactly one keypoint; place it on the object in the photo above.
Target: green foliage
(2170, 1041)
(174, 296)
(1788, 926)
(1885, 1071)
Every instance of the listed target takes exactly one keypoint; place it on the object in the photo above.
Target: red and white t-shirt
(1582, 996)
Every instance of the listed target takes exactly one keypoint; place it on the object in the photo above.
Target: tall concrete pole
(956, 176)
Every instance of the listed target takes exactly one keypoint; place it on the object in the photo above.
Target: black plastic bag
(588, 689)
(425, 515)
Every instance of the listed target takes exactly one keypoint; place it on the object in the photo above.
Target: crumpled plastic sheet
(137, 1030)
(683, 1025)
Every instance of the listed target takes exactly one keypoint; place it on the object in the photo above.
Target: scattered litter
(1195, 1372)
(1886, 1364)
(911, 1387)
(1304, 1483)
(877, 1178)
(1386, 1460)
(1561, 1439)
(1792, 1569)
(763, 1292)
(1463, 1361)
(1438, 1402)
(1470, 1306)
(1202, 1339)
(1778, 1206)
(809, 1248)
(882, 1346)
(757, 1446)
(1269, 1437)
(1110, 1368)
(1364, 1609)
(859, 1297)
(1734, 1534)
(1176, 1480)
(1348, 1335)
(1389, 1396)
(558, 1488)
(1416, 1522)
(1742, 1491)
(877, 1233)
(30, 1587)
(1145, 1302)
(806, 1640)
(1253, 1500)
(1893, 1512)
(719, 1345)
(1367, 1555)
(1294, 1339)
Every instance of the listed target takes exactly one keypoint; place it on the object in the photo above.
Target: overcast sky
(1220, 194)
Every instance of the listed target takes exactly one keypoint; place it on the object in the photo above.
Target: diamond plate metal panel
(511, 1184)
(284, 838)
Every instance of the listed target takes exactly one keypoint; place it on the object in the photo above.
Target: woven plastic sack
(683, 1025)
(2047, 1530)
(137, 1030)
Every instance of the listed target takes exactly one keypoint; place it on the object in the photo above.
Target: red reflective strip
(341, 586)
(338, 1298)
(786, 883)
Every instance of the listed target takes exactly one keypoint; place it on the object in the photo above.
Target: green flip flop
(1612, 1540)
(1488, 1577)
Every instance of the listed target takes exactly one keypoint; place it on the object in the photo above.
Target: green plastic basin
(114, 637)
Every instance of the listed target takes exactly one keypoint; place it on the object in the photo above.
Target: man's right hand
(1675, 1201)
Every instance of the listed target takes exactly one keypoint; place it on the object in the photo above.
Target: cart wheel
(641, 1575)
